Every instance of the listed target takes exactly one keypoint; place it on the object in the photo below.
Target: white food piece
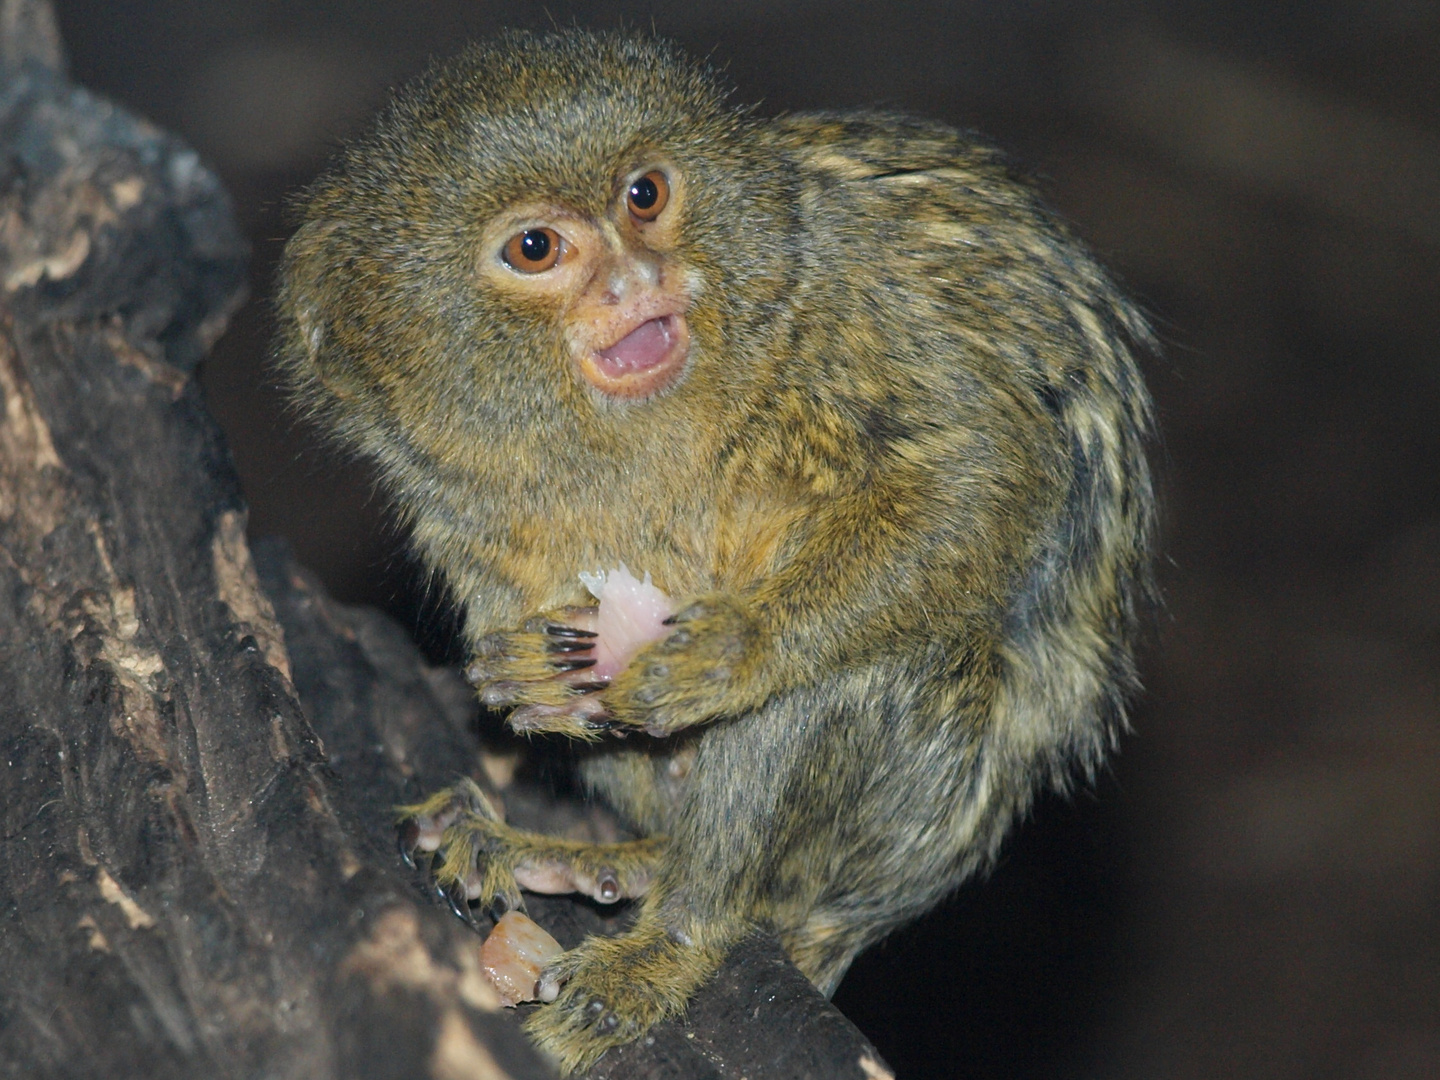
(513, 956)
(632, 614)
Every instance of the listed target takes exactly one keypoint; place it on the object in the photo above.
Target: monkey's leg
(611, 990)
(711, 890)
(481, 858)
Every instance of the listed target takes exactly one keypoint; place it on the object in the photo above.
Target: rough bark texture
(199, 756)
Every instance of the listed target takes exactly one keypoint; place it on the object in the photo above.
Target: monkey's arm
(901, 559)
(904, 559)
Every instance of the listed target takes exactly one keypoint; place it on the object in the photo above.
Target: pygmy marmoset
(839, 382)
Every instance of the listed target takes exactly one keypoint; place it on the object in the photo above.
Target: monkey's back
(1003, 317)
(978, 337)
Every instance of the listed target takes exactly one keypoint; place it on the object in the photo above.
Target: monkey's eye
(532, 251)
(648, 196)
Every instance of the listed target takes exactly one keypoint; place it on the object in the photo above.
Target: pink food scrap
(632, 614)
(514, 955)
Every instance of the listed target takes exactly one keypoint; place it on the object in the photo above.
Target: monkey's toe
(478, 862)
(463, 838)
(581, 715)
(610, 991)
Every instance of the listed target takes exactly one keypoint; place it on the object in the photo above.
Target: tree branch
(196, 858)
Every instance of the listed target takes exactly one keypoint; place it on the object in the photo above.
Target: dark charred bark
(197, 875)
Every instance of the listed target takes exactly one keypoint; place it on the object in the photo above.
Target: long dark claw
(569, 646)
(407, 837)
(589, 687)
(557, 630)
(574, 665)
(455, 897)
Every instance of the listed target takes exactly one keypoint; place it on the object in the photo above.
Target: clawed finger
(583, 716)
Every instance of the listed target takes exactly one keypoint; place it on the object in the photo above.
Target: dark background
(1253, 889)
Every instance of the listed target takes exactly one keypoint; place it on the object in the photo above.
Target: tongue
(644, 347)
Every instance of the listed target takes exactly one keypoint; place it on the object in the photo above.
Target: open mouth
(647, 345)
(643, 361)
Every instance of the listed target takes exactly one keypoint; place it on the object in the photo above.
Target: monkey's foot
(480, 859)
(543, 669)
(609, 991)
(707, 666)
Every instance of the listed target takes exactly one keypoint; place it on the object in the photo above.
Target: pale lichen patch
(149, 361)
(126, 194)
(500, 768)
(459, 1055)
(114, 616)
(474, 988)
(239, 588)
(54, 266)
(135, 915)
(393, 957)
(98, 942)
(27, 448)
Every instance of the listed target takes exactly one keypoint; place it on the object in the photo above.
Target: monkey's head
(560, 237)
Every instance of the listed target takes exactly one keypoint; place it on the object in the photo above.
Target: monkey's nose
(632, 273)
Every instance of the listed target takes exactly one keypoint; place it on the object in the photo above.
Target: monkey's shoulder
(899, 157)
(935, 214)
(946, 226)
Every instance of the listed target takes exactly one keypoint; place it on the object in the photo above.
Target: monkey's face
(614, 282)
(550, 254)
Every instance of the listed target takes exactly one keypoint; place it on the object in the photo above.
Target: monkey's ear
(309, 353)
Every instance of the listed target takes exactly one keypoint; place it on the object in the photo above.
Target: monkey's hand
(543, 670)
(710, 664)
(611, 990)
(478, 858)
